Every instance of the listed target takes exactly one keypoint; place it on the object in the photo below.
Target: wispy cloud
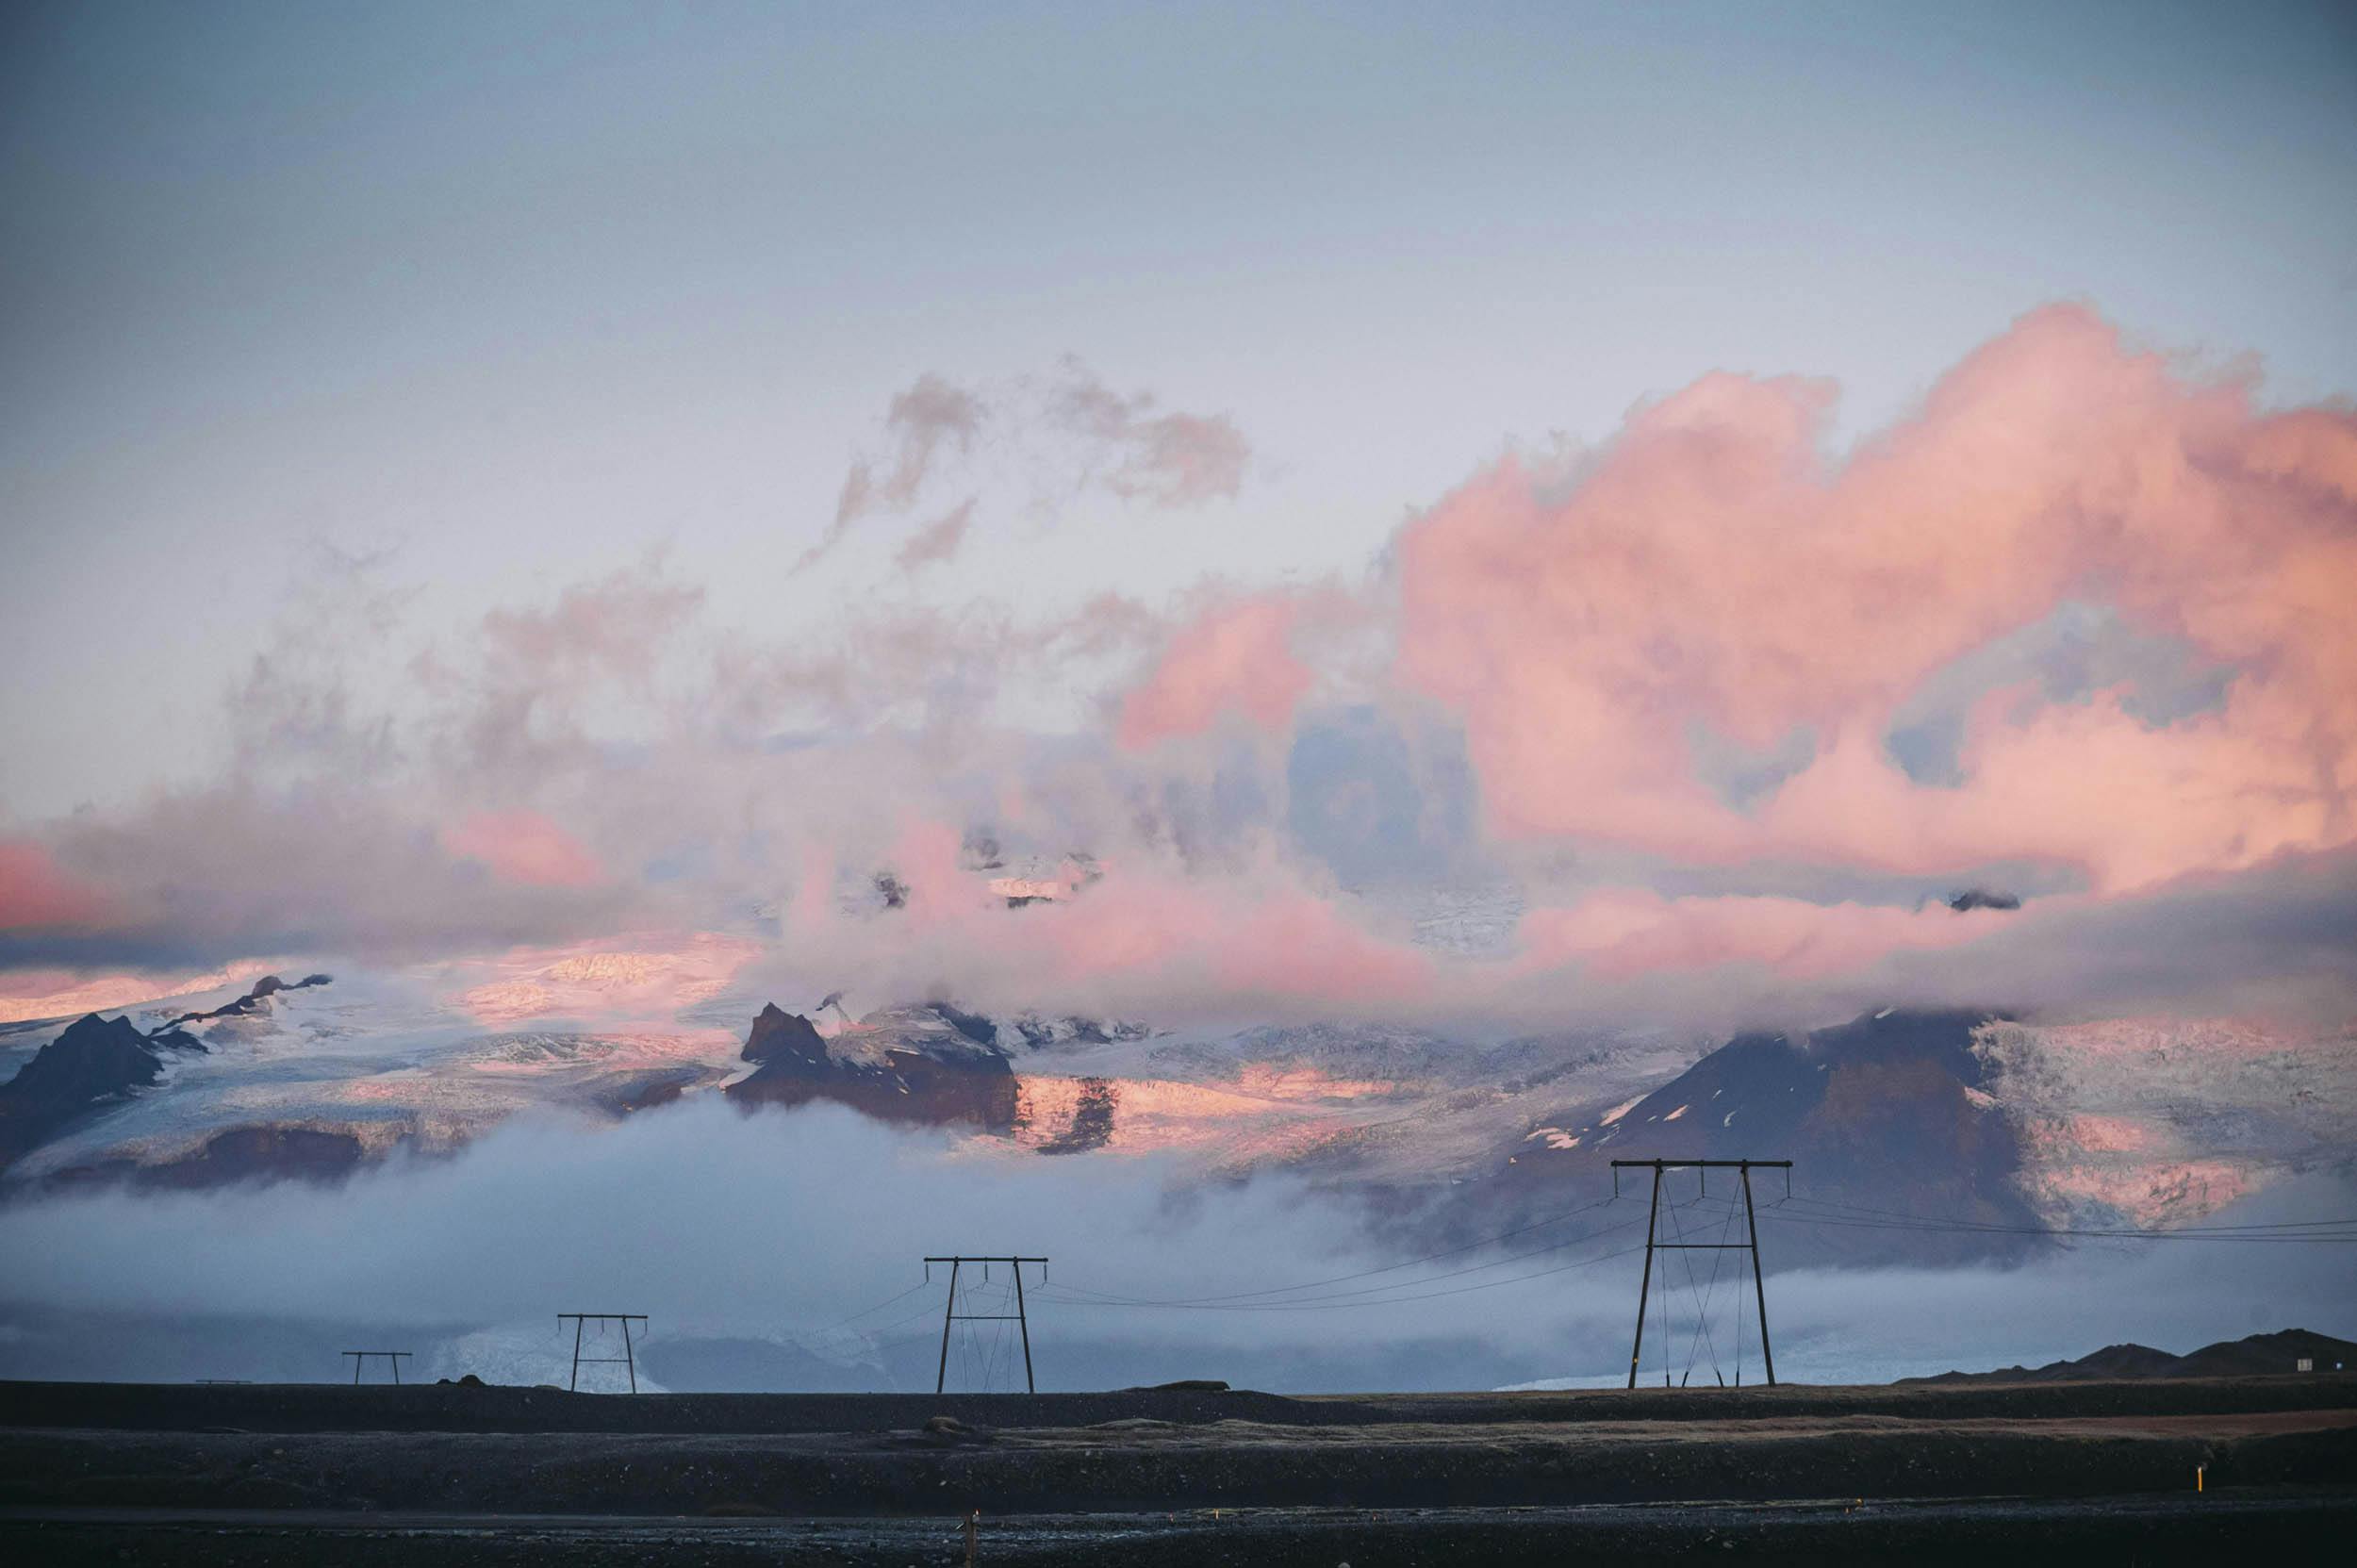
(939, 539)
(1062, 435)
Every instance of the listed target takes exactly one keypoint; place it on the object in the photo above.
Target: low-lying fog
(750, 1240)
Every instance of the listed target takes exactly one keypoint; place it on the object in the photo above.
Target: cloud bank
(742, 1239)
(1721, 723)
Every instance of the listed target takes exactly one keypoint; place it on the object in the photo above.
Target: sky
(1710, 482)
(1500, 520)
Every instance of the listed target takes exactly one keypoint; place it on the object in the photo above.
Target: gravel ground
(447, 1475)
(2158, 1530)
(450, 1407)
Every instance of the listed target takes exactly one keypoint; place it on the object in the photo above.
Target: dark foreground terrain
(127, 1473)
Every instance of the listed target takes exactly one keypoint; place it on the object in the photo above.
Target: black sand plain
(449, 1474)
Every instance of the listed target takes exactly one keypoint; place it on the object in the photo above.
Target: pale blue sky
(519, 289)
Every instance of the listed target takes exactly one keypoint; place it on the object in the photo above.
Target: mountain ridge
(2254, 1355)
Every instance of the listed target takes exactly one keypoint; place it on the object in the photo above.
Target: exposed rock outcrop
(96, 1060)
(915, 1066)
(254, 1001)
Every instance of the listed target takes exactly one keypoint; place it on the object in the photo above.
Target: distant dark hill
(1879, 1111)
(2257, 1355)
(95, 1062)
(255, 1153)
(921, 1066)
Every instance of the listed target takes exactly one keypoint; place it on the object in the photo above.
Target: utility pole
(951, 1315)
(1644, 1284)
(629, 1358)
(1759, 1283)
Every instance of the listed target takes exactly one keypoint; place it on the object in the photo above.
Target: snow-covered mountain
(1961, 1115)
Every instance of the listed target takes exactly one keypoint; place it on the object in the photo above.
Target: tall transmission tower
(951, 1315)
(629, 1358)
(1751, 1220)
(392, 1359)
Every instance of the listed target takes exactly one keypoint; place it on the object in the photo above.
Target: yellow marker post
(2197, 1475)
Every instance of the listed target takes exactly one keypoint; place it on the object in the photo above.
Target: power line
(1388, 1300)
(2323, 1231)
(1322, 1306)
(1226, 1304)
(1830, 1222)
(1702, 1334)
(2319, 1232)
(1371, 1272)
(880, 1306)
(2341, 1223)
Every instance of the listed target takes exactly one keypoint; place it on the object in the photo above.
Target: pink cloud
(36, 891)
(1235, 659)
(1140, 939)
(1715, 567)
(1211, 946)
(2087, 784)
(1303, 946)
(1621, 932)
(525, 848)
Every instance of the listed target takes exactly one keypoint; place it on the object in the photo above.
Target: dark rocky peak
(1851, 1087)
(1942, 1038)
(1886, 1109)
(923, 1065)
(972, 1025)
(95, 1062)
(254, 1001)
(778, 1033)
(94, 1058)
